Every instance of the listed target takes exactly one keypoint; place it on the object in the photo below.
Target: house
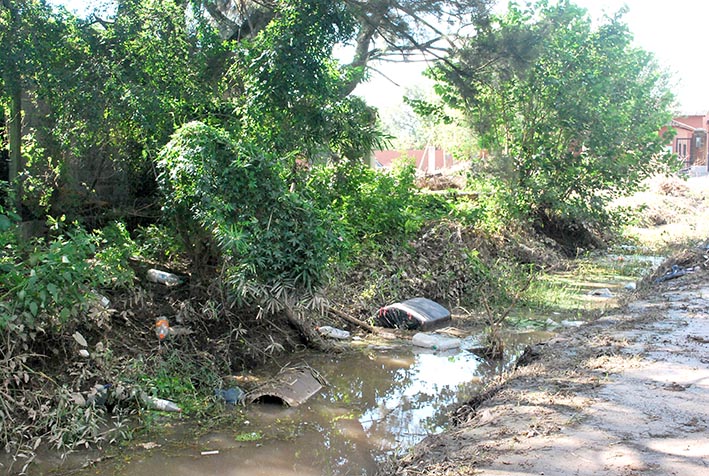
(430, 160)
(690, 141)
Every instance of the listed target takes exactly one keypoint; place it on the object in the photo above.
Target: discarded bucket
(417, 313)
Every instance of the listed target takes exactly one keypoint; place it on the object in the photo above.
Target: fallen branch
(312, 338)
(353, 320)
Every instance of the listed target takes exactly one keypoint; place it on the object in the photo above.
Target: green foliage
(249, 436)
(369, 205)
(48, 282)
(41, 177)
(158, 243)
(291, 89)
(232, 195)
(574, 109)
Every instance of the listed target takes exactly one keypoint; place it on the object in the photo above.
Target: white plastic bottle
(161, 404)
(435, 341)
(333, 332)
(163, 277)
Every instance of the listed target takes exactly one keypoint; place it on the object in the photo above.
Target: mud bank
(626, 394)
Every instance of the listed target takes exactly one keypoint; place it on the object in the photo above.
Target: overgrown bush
(232, 203)
(369, 205)
(48, 281)
(50, 287)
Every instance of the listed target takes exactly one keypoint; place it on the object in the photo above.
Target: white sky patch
(676, 32)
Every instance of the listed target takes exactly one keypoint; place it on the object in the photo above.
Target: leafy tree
(383, 29)
(128, 81)
(25, 25)
(574, 110)
(287, 88)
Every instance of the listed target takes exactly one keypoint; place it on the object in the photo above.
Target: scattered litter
(79, 339)
(103, 300)
(604, 293)
(435, 341)
(417, 313)
(163, 277)
(84, 353)
(231, 395)
(333, 332)
(149, 445)
(210, 452)
(291, 387)
(631, 286)
(160, 404)
(97, 396)
(566, 323)
(551, 322)
(162, 328)
(674, 272)
(471, 342)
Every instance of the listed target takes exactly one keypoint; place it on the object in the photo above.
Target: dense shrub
(235, 200)
(46, 282)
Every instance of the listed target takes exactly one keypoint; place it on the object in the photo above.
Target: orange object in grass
(162, 328)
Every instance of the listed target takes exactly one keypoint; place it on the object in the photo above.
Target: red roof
(442, 160)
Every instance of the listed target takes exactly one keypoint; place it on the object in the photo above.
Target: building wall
(429, 160)
(690, 141)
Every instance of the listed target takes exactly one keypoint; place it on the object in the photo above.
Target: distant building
(690, 141)
(430, 160)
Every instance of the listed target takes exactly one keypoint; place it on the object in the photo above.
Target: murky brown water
(377, 403)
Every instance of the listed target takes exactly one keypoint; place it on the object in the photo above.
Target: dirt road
(627, 394)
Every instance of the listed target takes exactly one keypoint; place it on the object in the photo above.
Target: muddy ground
(626, 394)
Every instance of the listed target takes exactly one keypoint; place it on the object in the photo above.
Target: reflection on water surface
(377, 402)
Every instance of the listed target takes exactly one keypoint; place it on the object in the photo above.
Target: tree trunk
(14, 126)
(4, 157)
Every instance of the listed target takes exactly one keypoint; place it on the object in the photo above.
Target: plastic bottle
(333, 332)
(101, 299)
(160, 404)
(162, 328)
(163, 277)
(435, 341)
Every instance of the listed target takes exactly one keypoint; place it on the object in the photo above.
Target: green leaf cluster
(236, 197)
(48, 281)
(572, 110)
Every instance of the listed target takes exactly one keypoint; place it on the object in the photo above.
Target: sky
(673, 30)
(677, 32)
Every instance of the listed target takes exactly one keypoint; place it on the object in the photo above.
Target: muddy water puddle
(378, 402)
